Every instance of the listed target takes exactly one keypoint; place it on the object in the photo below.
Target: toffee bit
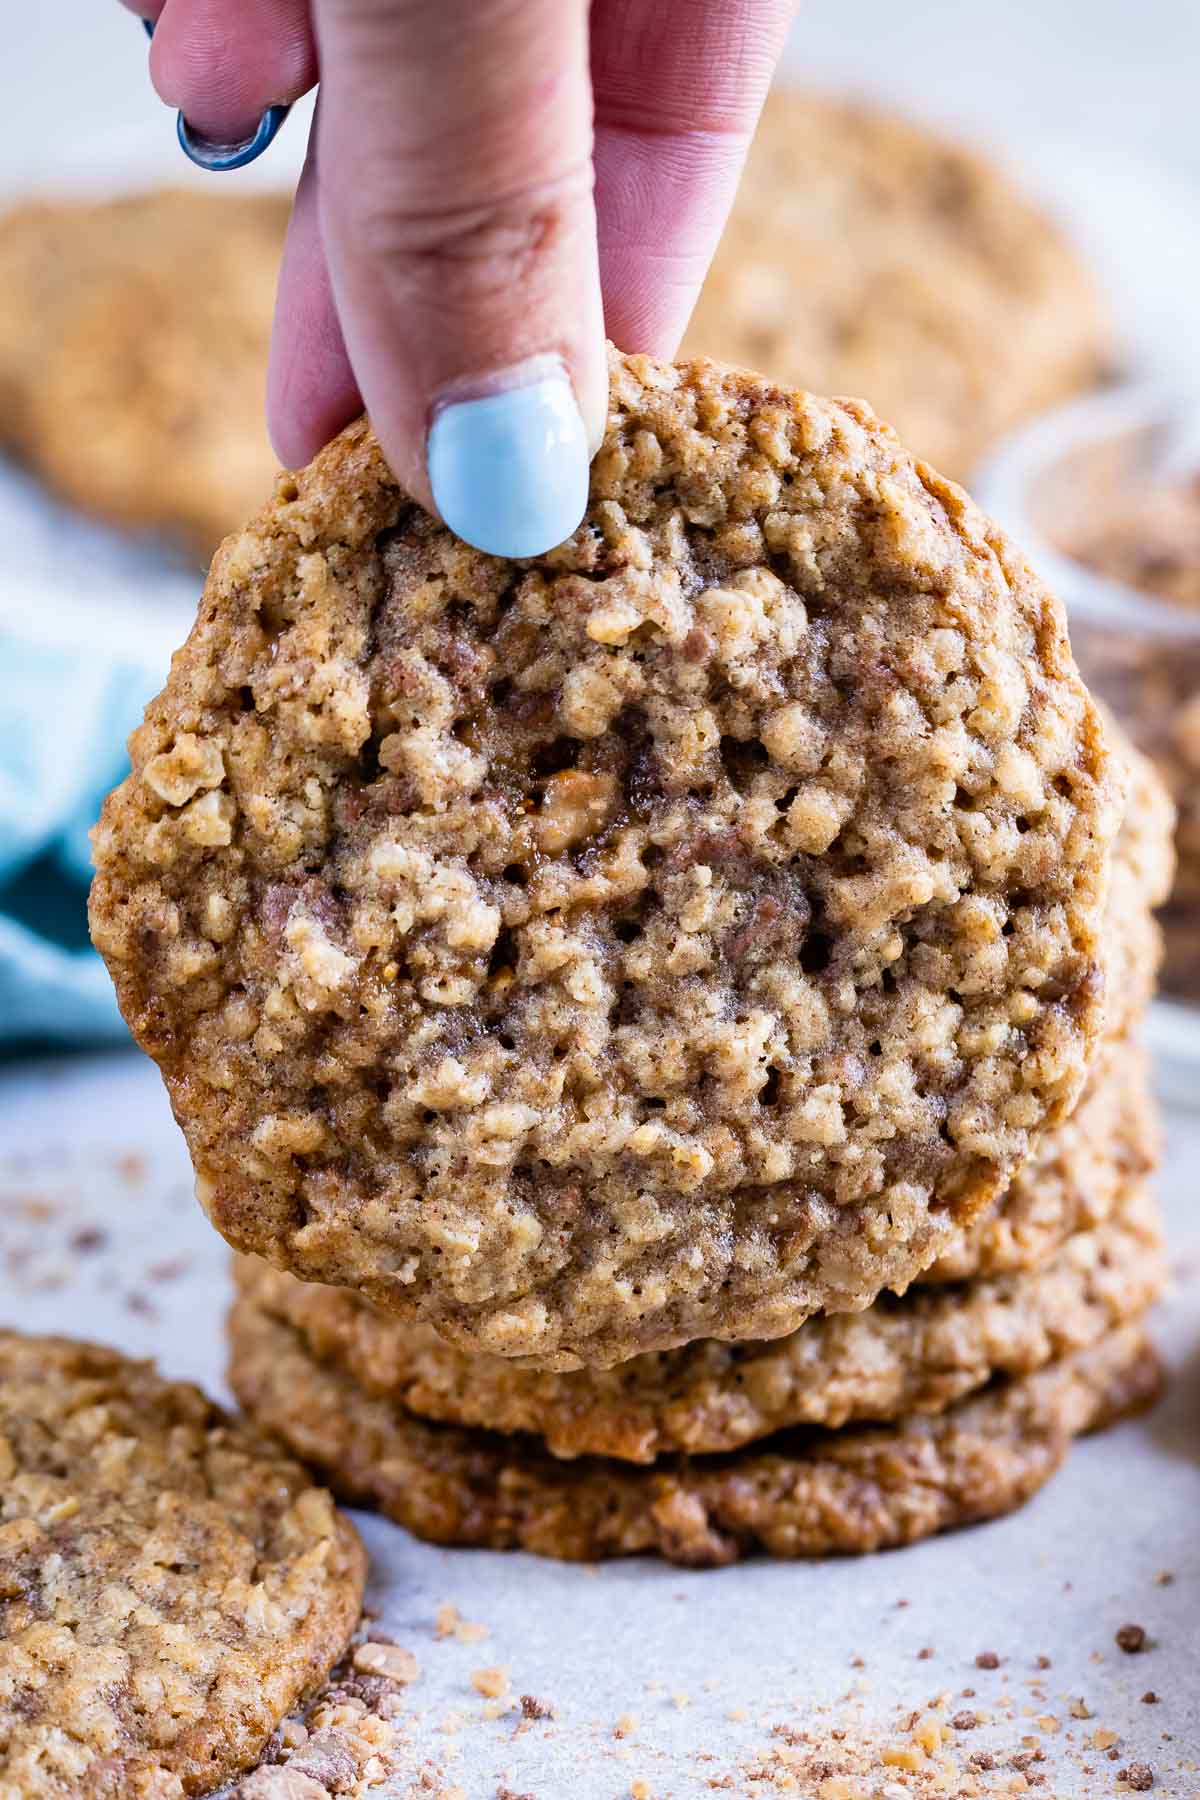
(89, 1238)
(1131, 1639)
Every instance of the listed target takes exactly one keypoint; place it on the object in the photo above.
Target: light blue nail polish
(509, 471)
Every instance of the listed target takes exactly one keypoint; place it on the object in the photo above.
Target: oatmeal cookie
(1113, 1135)
(1073, 1183)
(807, 1493)
(867, 255)
(673, 936)
(901, 1356)
(170, 1582)
(133, 354)
(1143, 875)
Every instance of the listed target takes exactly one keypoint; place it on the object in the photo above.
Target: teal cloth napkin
(64, 717)
(88, 620)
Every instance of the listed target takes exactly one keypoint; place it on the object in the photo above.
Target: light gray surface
(92, 1145)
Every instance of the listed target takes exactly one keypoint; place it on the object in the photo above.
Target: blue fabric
(64, 717)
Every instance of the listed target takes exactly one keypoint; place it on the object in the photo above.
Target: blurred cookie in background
(133, 350)
(869, 256)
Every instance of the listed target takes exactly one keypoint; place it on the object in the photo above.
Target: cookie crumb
(965, 1721)
(533, 1708)
(626, 1725)
(492, 1683)
(278, 1784)
(88, 1239)
(389, 1660)
(1131, 1639)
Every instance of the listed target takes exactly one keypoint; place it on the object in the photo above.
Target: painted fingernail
(509, 467)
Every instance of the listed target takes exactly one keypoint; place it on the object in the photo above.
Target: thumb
(454, 189)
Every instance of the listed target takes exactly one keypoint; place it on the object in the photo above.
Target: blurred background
(968, 301)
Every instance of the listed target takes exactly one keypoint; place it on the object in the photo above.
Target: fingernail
(509, 468)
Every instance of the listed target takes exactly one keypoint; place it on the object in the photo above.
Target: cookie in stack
(597, 985)
(856, 1432)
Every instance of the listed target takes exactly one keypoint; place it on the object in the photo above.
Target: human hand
(462, 239)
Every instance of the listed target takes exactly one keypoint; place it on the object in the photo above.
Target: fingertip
(223, 68)
(509, 470)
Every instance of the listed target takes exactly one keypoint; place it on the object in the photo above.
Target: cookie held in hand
(672, 936)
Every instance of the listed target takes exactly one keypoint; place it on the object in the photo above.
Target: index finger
(679, 85)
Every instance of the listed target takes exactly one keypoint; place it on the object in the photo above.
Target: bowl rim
(1006, 477)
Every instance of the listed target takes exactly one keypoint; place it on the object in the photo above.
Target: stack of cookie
(657, 1019)
(952, 1403)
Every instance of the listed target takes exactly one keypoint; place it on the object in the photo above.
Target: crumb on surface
(391, 1661)
(491, 1682)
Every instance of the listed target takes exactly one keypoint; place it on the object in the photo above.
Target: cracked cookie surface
(171, 1582)
(670, 937)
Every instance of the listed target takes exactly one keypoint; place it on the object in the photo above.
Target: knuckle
(487, 244)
